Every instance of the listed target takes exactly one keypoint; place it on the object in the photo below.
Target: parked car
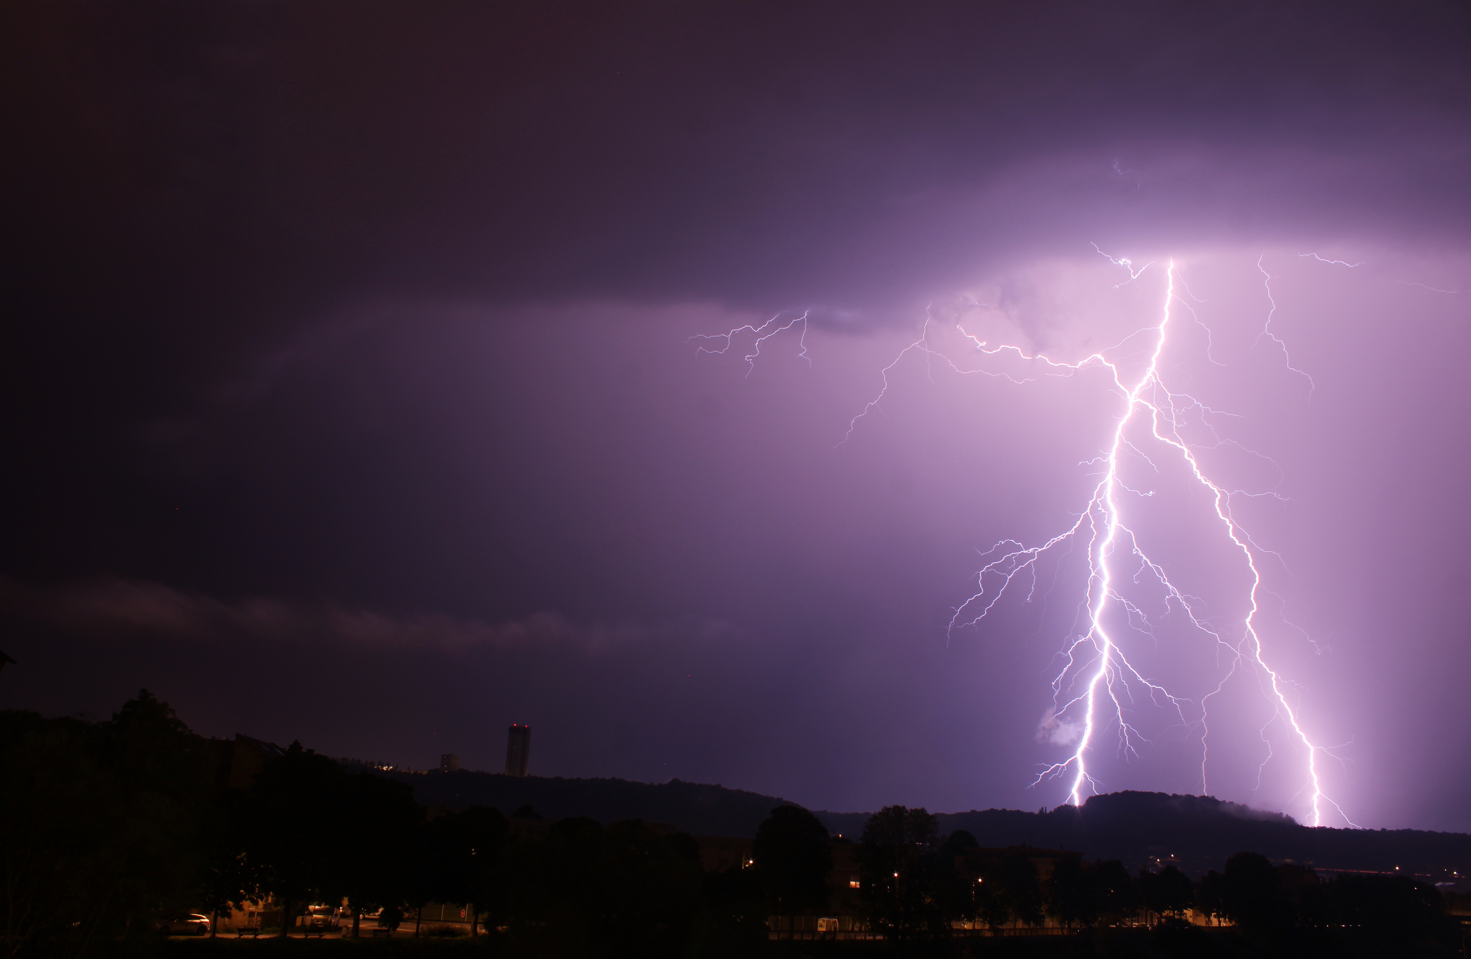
(184, 924)
(321, 918)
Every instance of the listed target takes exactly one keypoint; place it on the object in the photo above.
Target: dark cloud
(154, 612)
(192, 181)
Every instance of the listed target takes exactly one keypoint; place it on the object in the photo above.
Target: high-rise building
(518, 750)
(449, 762)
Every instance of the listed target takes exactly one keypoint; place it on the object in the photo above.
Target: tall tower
(518, 750)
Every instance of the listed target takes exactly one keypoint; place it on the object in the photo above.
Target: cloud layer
(153, 612)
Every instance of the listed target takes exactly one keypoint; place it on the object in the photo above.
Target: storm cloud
(353, 398)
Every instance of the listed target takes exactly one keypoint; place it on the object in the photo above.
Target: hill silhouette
(697, 808)
(1201, 832)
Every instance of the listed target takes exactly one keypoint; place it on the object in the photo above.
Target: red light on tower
(518, 750)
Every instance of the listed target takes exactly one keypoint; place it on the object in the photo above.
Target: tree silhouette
(993, 907)
(793, 858)
(377, 866)
(465, 852)
(1020, 888)
(1071, 893)
(292, 836)
(1251, 895)
(102, 825)
(901, 892)
(1391, 909)
(1168, 892)
(956, 895)
(732, 915)
(582, 889)
(1210, 895)
(1118, 896)
(228, 877)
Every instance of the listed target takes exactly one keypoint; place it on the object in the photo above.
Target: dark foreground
(1163, 943)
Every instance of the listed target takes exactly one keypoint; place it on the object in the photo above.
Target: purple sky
(352, 397)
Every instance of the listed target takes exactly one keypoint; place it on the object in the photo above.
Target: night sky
(350, 394)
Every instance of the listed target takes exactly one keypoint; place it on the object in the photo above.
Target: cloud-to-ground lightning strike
(1092, 689)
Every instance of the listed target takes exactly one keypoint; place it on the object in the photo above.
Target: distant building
(449, 762)
(518, 750)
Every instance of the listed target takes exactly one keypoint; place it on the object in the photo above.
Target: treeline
(1202, 832)
(699, 808)
(917, 882)
(106, 826)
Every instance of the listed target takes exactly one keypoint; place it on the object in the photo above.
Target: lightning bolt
(1331, 262)
(1267, 327)
(1097, 684)
(764, 332)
